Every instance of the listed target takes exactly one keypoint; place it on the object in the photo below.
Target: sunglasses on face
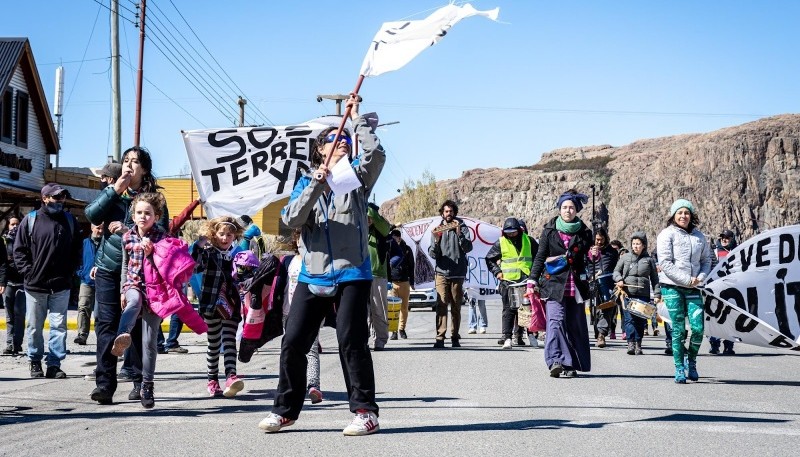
(344, 139)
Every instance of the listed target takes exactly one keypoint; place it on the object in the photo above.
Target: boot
(601, 341)
(680, 375)
(638, 348)
(135, 392)
(693, 375)
(148, 399)
(631, 350)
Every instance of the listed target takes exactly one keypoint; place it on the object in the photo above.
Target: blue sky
(549, 75)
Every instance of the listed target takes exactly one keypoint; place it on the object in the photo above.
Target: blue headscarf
(578, 199)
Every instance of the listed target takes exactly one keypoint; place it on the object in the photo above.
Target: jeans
(133, 307)
(14, 299)
(85, 307)
(54, 307)
(302, 328)
(175, 327)
(477, 314)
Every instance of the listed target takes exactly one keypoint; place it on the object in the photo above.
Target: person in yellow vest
(510, 259)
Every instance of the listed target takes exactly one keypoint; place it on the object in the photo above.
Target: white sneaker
(483, 330)
(507, 344)
(364, 423)
(472, 331)
(274, 423)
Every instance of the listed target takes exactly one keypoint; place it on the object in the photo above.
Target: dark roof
(17, 51)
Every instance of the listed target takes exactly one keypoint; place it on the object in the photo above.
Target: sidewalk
(72, 322)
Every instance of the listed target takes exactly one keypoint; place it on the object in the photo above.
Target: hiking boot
(233, 385)
(121, 342)
(146, 394)
(439, 344)
(472, 331)
(80, 340)
(555, 370)
(631, 349)
(315, 395)
(403, 334)
(601, 341)
(364, 423)
(393, 336)
(274, 423)
(680, 375)
(54, 372)
(136, 392)
(638, 347)
(507, 344)
(455, 343)
(692, 375)
(728, 352)
(36, 370)
(214, 390)
(177, 350)
(519, 341)
(714, 350)
(102, 396)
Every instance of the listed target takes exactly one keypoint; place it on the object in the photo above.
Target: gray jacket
(450, 253)
(639, 271)
(682, 256)
(333, 239)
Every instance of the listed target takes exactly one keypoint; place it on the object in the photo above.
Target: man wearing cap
(510, 259)
(46, 253)
(727, 243)
(110, 173)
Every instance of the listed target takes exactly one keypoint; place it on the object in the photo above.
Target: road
(476, 400)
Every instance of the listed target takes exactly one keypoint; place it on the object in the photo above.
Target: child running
(219, 300)
(138, 243)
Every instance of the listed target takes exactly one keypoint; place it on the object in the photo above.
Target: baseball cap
(52, 189)
(726, 234)
(112, 170)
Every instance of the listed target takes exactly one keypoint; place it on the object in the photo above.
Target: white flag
(396, 43)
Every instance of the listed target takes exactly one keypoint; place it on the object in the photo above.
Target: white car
(422, 298)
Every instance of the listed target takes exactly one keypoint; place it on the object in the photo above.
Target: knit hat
(681, 203)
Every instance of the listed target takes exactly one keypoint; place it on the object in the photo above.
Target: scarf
(568, 227)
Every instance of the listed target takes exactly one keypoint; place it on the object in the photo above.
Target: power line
(88, 42)
(72, 61)
(120, 15)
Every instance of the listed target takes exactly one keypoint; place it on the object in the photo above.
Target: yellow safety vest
(513, 263)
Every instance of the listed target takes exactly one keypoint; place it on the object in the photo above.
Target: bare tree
(418, 199)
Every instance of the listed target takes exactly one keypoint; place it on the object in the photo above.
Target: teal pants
(682, 303)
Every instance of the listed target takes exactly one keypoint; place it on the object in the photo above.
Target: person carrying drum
(635, 274)
(600, 265)
(510, 259)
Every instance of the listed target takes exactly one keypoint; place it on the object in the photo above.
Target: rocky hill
(746, 178)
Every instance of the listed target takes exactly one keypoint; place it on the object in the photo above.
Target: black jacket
(605, 264)
(550, 244)
(404, 270)
(47, 257)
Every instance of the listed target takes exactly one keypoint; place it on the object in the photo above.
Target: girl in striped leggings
(219, 300)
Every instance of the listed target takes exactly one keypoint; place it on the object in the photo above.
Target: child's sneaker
(233, 385)
(213, 388)
(315, 395)
(274, 423)
(121, 342)
(364, 423)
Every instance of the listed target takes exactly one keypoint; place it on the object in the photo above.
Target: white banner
(726, 320)
(417, 235)
(241, 170)
(762, 278)
(396, 43)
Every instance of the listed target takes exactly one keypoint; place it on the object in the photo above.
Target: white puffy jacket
(682, 256)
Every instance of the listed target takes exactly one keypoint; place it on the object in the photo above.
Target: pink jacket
(165, 276)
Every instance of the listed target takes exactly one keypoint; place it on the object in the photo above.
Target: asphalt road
(476, 400)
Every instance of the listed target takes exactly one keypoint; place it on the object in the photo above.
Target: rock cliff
(746, 178)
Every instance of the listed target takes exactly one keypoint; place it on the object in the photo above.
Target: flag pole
(318, 175)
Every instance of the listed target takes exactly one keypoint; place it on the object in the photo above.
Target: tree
(418, 199)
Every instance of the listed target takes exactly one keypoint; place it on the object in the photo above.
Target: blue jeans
(477, 314)
(54, 307)
(14, 299)
(133, 307)
(175, 327)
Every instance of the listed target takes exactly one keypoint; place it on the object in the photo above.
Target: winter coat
(378, 243)
(165, 272)
(334, 227)
(216, 269)
(604, 264)
(449, 251)
(402, 265)
(640, 271)
(12, 275)
(88, 255)
(682, 256)
(47, 256)
(550, 244)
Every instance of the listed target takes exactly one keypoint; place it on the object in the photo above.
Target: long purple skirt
(567, 339)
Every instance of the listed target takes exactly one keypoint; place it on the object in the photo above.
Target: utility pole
(338, 98)
(139, 76)
(116, 127)
(241, 102)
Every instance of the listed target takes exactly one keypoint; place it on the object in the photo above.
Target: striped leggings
(221, 337)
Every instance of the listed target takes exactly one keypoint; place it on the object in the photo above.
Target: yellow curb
(73, 325)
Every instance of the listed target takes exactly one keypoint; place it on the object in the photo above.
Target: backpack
(70, 221)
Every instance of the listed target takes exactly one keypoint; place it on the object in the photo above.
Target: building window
(7, 115)
(21, 139)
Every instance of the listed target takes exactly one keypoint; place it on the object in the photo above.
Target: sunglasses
(343, 138)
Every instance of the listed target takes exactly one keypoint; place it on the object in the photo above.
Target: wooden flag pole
(318, 175)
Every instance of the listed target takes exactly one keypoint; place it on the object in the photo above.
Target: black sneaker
(102, 396)
(36, 370)
(439, 344)
(146, 394)
(135, 392)
(9, 350)
(518, 341)
(403, 334)
(80, 340)
(668, 351)
(54, 372)
(393, 336)
(455, 343)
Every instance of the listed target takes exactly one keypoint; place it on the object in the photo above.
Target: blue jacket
(87, 262)
(251, 232)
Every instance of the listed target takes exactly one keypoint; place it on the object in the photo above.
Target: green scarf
(568, 227)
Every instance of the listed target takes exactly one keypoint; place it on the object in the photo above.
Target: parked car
(422, 298)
